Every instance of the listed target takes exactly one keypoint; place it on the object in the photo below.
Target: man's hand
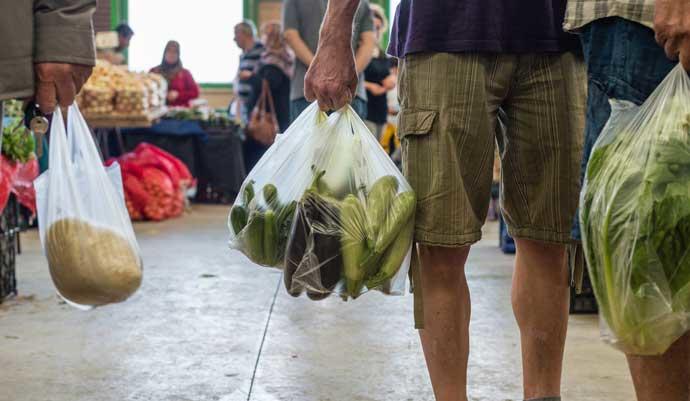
(245, 75)
(332, 77)
(59, 83)
(672, 27)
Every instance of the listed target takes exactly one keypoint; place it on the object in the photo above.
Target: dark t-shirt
(377, 105)
(496, 26)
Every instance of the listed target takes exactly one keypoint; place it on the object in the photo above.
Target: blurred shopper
(47, 51)
(181, 85)
(245, 38)
(630, 47)
(117, 56)
(453, 79)
(379, 78)
(275, 67)
(302, 20)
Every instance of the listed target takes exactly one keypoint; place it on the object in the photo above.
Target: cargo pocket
(416, 122)
(419, 149)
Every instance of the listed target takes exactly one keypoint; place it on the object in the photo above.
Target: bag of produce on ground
(84, 228)
(328, 206)
(635, 215)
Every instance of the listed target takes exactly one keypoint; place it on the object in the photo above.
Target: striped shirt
(248, 62)
(581, 12)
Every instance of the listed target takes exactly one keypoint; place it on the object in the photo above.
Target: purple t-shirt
(496, 26)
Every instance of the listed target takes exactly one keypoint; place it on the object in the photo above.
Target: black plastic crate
(9, 247)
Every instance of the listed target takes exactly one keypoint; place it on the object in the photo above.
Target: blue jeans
(297, 106)
(624, 62)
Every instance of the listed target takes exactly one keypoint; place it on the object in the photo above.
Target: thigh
(447, 143)
(541, 161)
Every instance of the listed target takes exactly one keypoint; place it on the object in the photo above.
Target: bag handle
(82, 140)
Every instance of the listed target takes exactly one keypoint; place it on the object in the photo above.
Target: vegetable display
(635, 215)
(327, 206)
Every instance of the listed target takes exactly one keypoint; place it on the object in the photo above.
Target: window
(204, 29)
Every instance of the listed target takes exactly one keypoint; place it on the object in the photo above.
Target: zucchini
(401, 210)
(393, 257)
(379, 200)
(353, 244)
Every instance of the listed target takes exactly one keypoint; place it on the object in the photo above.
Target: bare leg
(665, 377)
(540, 298)
(445, 337)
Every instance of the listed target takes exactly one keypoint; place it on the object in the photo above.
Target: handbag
(263, 124)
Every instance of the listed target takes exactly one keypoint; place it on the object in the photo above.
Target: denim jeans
(624, 62)
(297, 106)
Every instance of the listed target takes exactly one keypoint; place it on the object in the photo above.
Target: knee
(443, 267)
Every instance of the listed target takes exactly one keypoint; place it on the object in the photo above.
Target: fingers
(66, 91)
(80, 75)
(46, 96)
(685, 55)
(671, 48)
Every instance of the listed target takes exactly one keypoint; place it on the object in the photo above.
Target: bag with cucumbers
(328, 206)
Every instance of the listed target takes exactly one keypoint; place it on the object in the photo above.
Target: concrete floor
(195, 329)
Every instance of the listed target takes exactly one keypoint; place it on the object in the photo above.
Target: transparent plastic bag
(635, 215)
(84, 226)
(328, 206)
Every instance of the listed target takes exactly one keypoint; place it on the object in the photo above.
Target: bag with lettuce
(327, 205)
(635, 215)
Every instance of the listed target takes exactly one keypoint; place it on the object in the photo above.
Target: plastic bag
(635, 215)
(84, 228)
(326, 204)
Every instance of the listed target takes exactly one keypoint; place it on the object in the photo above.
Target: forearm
(337, 24)
(302, 52)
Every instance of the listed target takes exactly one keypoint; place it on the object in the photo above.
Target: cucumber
(254, 237)
(238, 218)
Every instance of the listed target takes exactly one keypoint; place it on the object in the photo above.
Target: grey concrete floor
(194, 332)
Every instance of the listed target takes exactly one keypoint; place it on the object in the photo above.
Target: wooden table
(103, 125)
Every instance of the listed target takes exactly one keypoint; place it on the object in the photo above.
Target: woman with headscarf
(181, 85)
(276, 66)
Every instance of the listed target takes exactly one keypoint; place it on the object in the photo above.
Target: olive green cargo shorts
(449, 129)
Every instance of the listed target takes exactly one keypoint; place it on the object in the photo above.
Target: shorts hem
(541, 235)
(447, 240)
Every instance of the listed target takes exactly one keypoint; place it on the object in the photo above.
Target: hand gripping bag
(328, 206)
(88, 239)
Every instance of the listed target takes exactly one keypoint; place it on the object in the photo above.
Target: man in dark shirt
(460, 63)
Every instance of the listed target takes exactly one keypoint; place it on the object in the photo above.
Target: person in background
(630, 47)
(181, 85)
(245, 38)
(379, 77)
(458, 66)
(302, 20)
(276, 66)
(117, 55)
(47, 51)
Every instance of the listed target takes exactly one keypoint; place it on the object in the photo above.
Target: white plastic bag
(635, 215)
(327, 205)
(84, 226)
